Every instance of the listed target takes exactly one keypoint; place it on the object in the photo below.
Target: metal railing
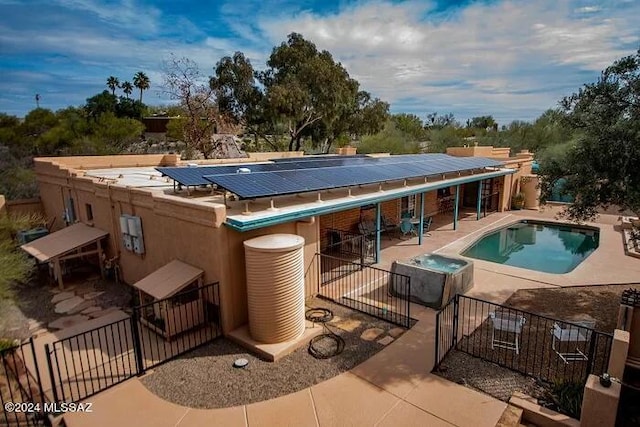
(364, 288)
(534, 345)
(354, 247)
(92, 361)
(21, 394)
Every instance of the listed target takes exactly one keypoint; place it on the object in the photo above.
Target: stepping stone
(104, 312)
(386, 340)
(92, 309)
(371, 334)
(80, 307)
(92, 294)
(69, 304)
(396, 332)
(336, 319)
(62, 296)
(67, 321)
(34, 324)
(348, 325)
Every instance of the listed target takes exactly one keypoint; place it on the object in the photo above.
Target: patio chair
(407, 228)
(507, 325)
(565, 336)
(388, 227)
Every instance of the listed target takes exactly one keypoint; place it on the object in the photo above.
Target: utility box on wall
(131, 229)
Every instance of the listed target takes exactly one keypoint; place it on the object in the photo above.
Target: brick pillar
(599, 404)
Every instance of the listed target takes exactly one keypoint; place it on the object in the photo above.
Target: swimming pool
(535, 245)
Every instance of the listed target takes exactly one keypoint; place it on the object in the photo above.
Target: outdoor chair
(407, 228)
(367, 227)
(506, 325)
(566, 336)
(388, 226)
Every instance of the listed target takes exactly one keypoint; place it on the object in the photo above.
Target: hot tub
(435, 279)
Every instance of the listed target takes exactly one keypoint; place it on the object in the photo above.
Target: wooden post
(57, 271)
(100, 258)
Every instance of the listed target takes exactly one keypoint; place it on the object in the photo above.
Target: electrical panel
(131, 229)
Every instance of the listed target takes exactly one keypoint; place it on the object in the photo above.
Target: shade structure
(169, 279)
(62, 242)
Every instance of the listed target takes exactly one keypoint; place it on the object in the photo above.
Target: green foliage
(390, 140)
(601, 166)
(567, 396)
(6, 344)
(411, 125)
(15, 266)
(443, 137)
(142, 82)
(113, 83)
(18, 182)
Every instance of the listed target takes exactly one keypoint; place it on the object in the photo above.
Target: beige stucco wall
(3, 205)
(173, 228)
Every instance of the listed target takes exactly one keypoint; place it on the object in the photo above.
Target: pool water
(438, 263)
(540, 246)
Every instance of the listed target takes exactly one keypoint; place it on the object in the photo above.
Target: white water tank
(275, 287)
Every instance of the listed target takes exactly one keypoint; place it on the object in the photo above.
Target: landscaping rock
(386, 340)
(92, 294)
(348, 325)
(62, 296)
(104, 312)
(68, 304)
(92, 309)
(80, 307)
(67, 321)
(396, 332)
(371, 334)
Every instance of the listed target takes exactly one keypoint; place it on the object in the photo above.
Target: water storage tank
(275, 287)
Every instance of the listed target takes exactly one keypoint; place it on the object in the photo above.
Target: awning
(168, 280)
(63, 241)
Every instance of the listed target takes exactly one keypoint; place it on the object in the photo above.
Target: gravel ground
(205, 378)
(486, 377)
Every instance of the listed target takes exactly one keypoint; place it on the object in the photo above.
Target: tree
(437, 121)
(389, 140)
(601, 165)
(411, 125)
(482, 122)
(127, 88)
(113, 83)
(184, 83)
(303, 86)
(101, 103)
(142, 82)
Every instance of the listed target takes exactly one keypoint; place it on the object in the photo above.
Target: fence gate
(21, 392)
(89, 362)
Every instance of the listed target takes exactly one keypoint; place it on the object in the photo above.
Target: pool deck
(395, 387)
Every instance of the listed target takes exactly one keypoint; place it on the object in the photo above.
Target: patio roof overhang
(63, 242)
(268, 218)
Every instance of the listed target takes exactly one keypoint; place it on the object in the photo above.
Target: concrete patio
(395, 387)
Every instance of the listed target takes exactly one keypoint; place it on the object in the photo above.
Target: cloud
(509, 58)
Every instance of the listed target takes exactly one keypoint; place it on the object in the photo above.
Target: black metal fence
(364, 288)
(534, 345)
(92, 361)
(21, 393)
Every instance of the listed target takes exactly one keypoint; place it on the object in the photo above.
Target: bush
(6, 344)
(567, 397)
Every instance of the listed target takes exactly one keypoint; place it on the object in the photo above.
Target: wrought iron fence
(92, 361)
(21, 394)
(354, 247)
(534, 345)
(365, 288)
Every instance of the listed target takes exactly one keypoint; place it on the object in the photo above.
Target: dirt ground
(599, 302)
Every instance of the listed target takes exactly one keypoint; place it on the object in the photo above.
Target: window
(444, 192)
(89, 210)
(408, 206)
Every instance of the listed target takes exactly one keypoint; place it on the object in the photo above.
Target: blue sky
(509, 58)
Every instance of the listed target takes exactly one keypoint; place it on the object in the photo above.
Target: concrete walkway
(392, 388)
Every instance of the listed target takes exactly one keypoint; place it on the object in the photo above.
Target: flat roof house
(157, 209)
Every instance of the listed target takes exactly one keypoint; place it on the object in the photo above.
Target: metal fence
(92, 361)
(353, 247)
(534, 345)
(364, 288)
(21, 392)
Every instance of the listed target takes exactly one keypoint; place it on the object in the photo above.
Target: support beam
(378, 213)
(100, 259)
(57, 272)
(479, 200)
(455, 208)
(420, 230)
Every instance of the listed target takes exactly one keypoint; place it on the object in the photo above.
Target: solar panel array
(300, 175)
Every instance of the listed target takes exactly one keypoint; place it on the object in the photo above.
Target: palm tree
(127, 88)
(141, 81)
(113, 83)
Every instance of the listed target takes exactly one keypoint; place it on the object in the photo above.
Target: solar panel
(299, 177)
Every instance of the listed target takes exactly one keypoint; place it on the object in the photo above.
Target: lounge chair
(566, 336)
(507, 325)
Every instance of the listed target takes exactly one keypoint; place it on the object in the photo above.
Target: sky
(512, 59)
